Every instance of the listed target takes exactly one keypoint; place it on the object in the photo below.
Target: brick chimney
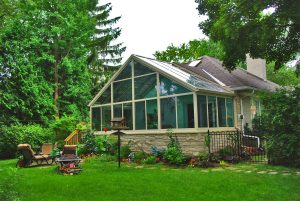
(256, 67)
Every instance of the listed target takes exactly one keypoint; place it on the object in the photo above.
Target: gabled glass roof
(183, 76)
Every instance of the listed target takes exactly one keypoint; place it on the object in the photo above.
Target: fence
(234, 145)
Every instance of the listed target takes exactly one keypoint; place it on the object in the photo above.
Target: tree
(193, 50)
(105, 55)
(45, 51)
(280, 124)
(247, 27)
(285, 76)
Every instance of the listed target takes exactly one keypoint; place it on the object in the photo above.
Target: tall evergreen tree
(106, 53)
(45, 57)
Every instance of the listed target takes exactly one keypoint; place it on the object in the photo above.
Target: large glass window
(105, 97)
(168, 112)
(140, 121)
(168, 87)
(127, 110)
(230, 112)
(106, 117)
(126, 73)
(145, 87)
(152, 120)
(96, 118)
(212, 111)
(122, 91)
(202, 111)
(140, 69)
(118, 110)
(185, 111)
(221, 112)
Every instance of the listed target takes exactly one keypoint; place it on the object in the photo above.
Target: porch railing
(73, 138)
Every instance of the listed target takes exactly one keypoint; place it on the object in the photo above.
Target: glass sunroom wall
(202, 111)
(168, 112)
(169, 87)
(126, 72)
(145, 87)
(106, 117)
(96, 118)
(127, 114)
(140, 116)
(122, 91)
(212, 111)
(105, 97)
(230, 112)
(152, 118)
(185, 111)
(221, 111)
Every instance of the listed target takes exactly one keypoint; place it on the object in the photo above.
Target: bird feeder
(118, 124)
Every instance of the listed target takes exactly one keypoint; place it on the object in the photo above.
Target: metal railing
(229, 144)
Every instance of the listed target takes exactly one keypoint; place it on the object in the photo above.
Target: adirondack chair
(29, 157)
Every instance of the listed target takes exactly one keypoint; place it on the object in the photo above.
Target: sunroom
(154, 96)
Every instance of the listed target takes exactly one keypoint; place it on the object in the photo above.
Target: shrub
(203, 156)
(226, 151)
(125, 151)
(159, 153)
(10, 137)
(89, 147)
(174, 156)
(173, 153)
(139, 156)
(106, 144)
(150, 160)
(280, 121)
(64, 126)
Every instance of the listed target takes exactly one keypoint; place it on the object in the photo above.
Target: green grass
(104, 181)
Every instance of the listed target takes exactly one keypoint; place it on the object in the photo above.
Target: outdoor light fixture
(118, 124)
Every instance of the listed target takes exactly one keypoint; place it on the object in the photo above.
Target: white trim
(217, 111)
(158, 102)
(176, 112)
(112, 101)
(195, 101)
(144, 75)
(133, 95)
(207, 119)
(101, 118)
(143, 99)
(175, 95)
(106, 104)
(122, 80)
(226, 112)
(146, 118)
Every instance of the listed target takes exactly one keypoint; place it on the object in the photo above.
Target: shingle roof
(212, 69)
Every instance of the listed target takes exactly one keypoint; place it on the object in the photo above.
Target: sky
(149, 26)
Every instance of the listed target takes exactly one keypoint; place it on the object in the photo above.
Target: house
(189, 98)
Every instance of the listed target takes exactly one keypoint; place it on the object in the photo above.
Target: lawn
(104, 181)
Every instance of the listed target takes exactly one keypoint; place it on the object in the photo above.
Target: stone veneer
(191, 144)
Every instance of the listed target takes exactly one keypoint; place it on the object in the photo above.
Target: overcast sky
(148, 26)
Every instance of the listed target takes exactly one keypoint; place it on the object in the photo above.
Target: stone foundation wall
(191, 144)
